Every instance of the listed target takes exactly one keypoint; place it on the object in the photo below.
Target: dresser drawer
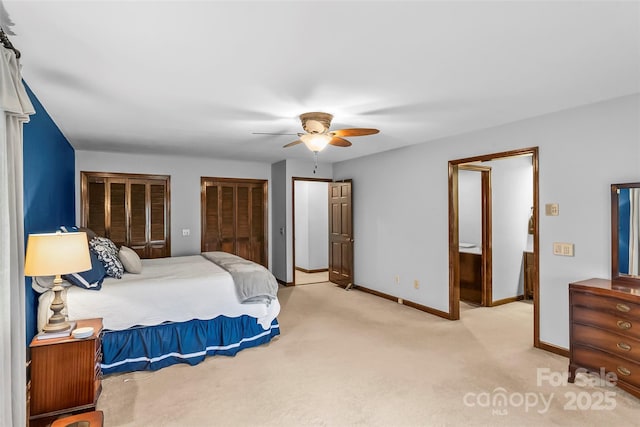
(594, 359)
(609, 321)
(623, 308)
(626, 347)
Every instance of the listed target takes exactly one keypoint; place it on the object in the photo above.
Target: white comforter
(174, 289)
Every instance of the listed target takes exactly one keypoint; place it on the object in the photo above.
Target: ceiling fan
(318, 135)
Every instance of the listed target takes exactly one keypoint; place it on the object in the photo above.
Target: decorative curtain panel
(634, 231)
(15, 108)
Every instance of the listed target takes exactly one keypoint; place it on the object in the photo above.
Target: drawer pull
(623, 346)
(623, 308)
(623, 371)
(623, 324)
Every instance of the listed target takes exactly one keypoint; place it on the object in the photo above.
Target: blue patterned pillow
(107, 253)
(91, 279)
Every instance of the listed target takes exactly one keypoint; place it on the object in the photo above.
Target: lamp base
(57, 322)
(56, 327)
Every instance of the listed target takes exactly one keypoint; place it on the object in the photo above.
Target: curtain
(15, 108)
(634, 231)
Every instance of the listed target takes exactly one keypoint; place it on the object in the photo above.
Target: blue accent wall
(49, 186)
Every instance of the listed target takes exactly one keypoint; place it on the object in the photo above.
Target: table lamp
(55, 254)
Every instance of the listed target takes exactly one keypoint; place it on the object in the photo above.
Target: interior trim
(293, 221)
(402, 301)
(318, 270)
(507, 300)
(454, 261)
(553, 348)
(283, 283)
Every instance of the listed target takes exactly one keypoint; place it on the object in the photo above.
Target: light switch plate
(563, 249)
(552, 209)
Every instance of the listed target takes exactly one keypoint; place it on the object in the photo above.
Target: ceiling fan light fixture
(316, 142)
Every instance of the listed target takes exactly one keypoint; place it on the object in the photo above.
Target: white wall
(312, 225)
(511, 199)
(185, 175)
(400, 203)
(279, 219)
(318, 225)
(470, 207)
(301, 218)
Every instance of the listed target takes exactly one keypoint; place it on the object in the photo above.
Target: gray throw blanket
(254, 283)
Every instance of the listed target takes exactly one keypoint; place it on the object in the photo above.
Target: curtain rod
(7, 43)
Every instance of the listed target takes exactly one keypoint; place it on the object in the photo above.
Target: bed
(177, 310)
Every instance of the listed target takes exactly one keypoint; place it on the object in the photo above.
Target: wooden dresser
(65, 375)
(604, 330)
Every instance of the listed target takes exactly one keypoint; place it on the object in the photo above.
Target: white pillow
(130, 260)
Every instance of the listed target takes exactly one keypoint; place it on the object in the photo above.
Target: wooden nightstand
(65, 374)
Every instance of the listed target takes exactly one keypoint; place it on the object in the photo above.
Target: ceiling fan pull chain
(315, 158)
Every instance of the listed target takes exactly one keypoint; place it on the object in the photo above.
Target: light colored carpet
(303, 278)
(350, 358)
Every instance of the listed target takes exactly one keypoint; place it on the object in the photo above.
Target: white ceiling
(198, 77)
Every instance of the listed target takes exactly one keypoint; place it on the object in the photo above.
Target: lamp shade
(315, 141)
(51, 254)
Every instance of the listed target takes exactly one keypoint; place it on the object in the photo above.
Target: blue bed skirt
(155, 347)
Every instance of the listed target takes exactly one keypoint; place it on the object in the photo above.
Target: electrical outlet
(397, 279)
(416, 284)
(186, 232)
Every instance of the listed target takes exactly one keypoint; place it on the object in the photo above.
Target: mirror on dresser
(625, 232)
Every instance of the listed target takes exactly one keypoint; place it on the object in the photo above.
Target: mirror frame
(615, 267)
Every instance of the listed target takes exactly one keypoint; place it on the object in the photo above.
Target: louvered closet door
(131, 210)
(94, 206)
(158, 236)
(243, 221)
(147, 230)
(234, 217)
(138, 221)
(227, 218)
(117, 211)
(210, 218)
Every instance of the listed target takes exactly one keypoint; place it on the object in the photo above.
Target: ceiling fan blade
(291, 144)
(339, 142)
(270, 133)
(354, 132)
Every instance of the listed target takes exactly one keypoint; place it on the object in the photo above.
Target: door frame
(293, 219)
(486, 232)
(454, 260)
